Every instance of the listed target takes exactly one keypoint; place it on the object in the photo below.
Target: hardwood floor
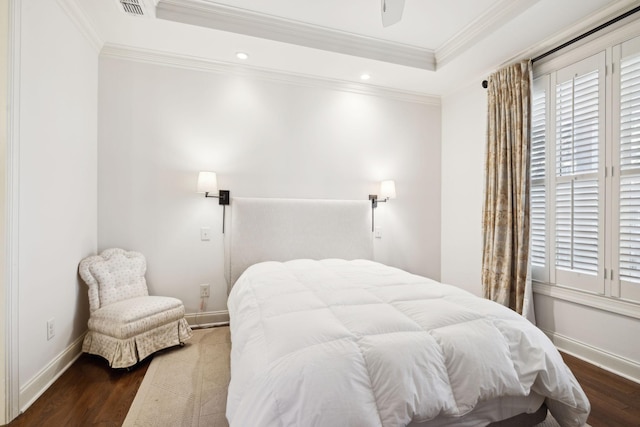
(615, 401)
(91, 393)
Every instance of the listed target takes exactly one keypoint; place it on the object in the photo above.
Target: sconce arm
(224, 197)
(374, 200)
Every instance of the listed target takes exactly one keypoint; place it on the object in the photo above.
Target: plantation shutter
(590, 143)
(630, 167)
(579, 159)
(629, 179)
(538, 210)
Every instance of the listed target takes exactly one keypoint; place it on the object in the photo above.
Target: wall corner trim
(12, 279)
(494, 17)
(82, 22)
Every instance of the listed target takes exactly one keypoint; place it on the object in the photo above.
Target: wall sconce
(208, 184)
(387, 192)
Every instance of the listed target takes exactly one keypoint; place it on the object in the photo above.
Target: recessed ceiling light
(242, 55)
(365, 77)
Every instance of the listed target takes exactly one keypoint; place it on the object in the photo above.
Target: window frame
(612, 294)
(560, 276)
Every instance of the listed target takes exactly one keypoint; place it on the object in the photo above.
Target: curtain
(505, 258)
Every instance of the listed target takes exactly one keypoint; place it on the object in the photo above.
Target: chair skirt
(126, 332)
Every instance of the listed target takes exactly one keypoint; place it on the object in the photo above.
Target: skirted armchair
(126, 324)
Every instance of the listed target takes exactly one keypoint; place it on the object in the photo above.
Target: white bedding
(356, 343)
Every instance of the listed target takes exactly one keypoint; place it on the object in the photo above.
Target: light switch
(378, 232)
(205, 233)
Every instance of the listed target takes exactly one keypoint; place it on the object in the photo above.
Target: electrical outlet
(204, 291)
(51, 328)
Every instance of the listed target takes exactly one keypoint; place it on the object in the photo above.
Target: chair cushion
(130, 317)
(113, 276)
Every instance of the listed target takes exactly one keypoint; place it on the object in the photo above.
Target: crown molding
(241, 21)
(624, 29)
(82, 22)
(613, 9)
(621, 32)
(494, 17)
(150, 56)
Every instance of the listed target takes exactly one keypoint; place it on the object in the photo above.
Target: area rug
(187, 386)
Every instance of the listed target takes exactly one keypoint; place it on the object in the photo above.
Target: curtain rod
(580, 37)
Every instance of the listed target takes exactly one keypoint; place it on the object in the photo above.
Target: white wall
(463, 155)
(602, 337)
(159, 125)
(57, 186)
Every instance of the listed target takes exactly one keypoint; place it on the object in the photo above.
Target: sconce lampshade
(388, 189)
(207, 182)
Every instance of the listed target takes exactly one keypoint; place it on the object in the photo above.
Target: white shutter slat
(585, 225)
(577, 124)
(573, 189)
(577, 201)
(538, 209)
(629, 231)
(563, 225)
(538, 225)
(629, 112)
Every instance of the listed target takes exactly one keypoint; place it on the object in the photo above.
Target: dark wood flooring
(615, 401)
(91, 394)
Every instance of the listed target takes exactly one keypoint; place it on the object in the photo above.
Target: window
(627, 180)
(585, 174)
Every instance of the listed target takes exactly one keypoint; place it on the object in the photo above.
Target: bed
(323, 336)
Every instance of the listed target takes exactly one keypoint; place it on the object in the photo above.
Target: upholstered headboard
(285, 229)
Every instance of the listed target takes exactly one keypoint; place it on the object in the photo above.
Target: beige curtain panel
(506, 202)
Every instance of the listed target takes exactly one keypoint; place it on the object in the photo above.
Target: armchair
(126, 324)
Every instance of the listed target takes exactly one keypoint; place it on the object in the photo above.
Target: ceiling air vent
(132, 7)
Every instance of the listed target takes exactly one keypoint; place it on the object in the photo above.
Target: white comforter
(357, 343)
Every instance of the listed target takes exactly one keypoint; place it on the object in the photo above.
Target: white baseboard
(34, 388)
(207, 318)
(621, 366)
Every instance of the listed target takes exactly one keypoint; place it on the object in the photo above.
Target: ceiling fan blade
(391, 12)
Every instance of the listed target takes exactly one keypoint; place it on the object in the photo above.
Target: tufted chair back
(113, 276)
